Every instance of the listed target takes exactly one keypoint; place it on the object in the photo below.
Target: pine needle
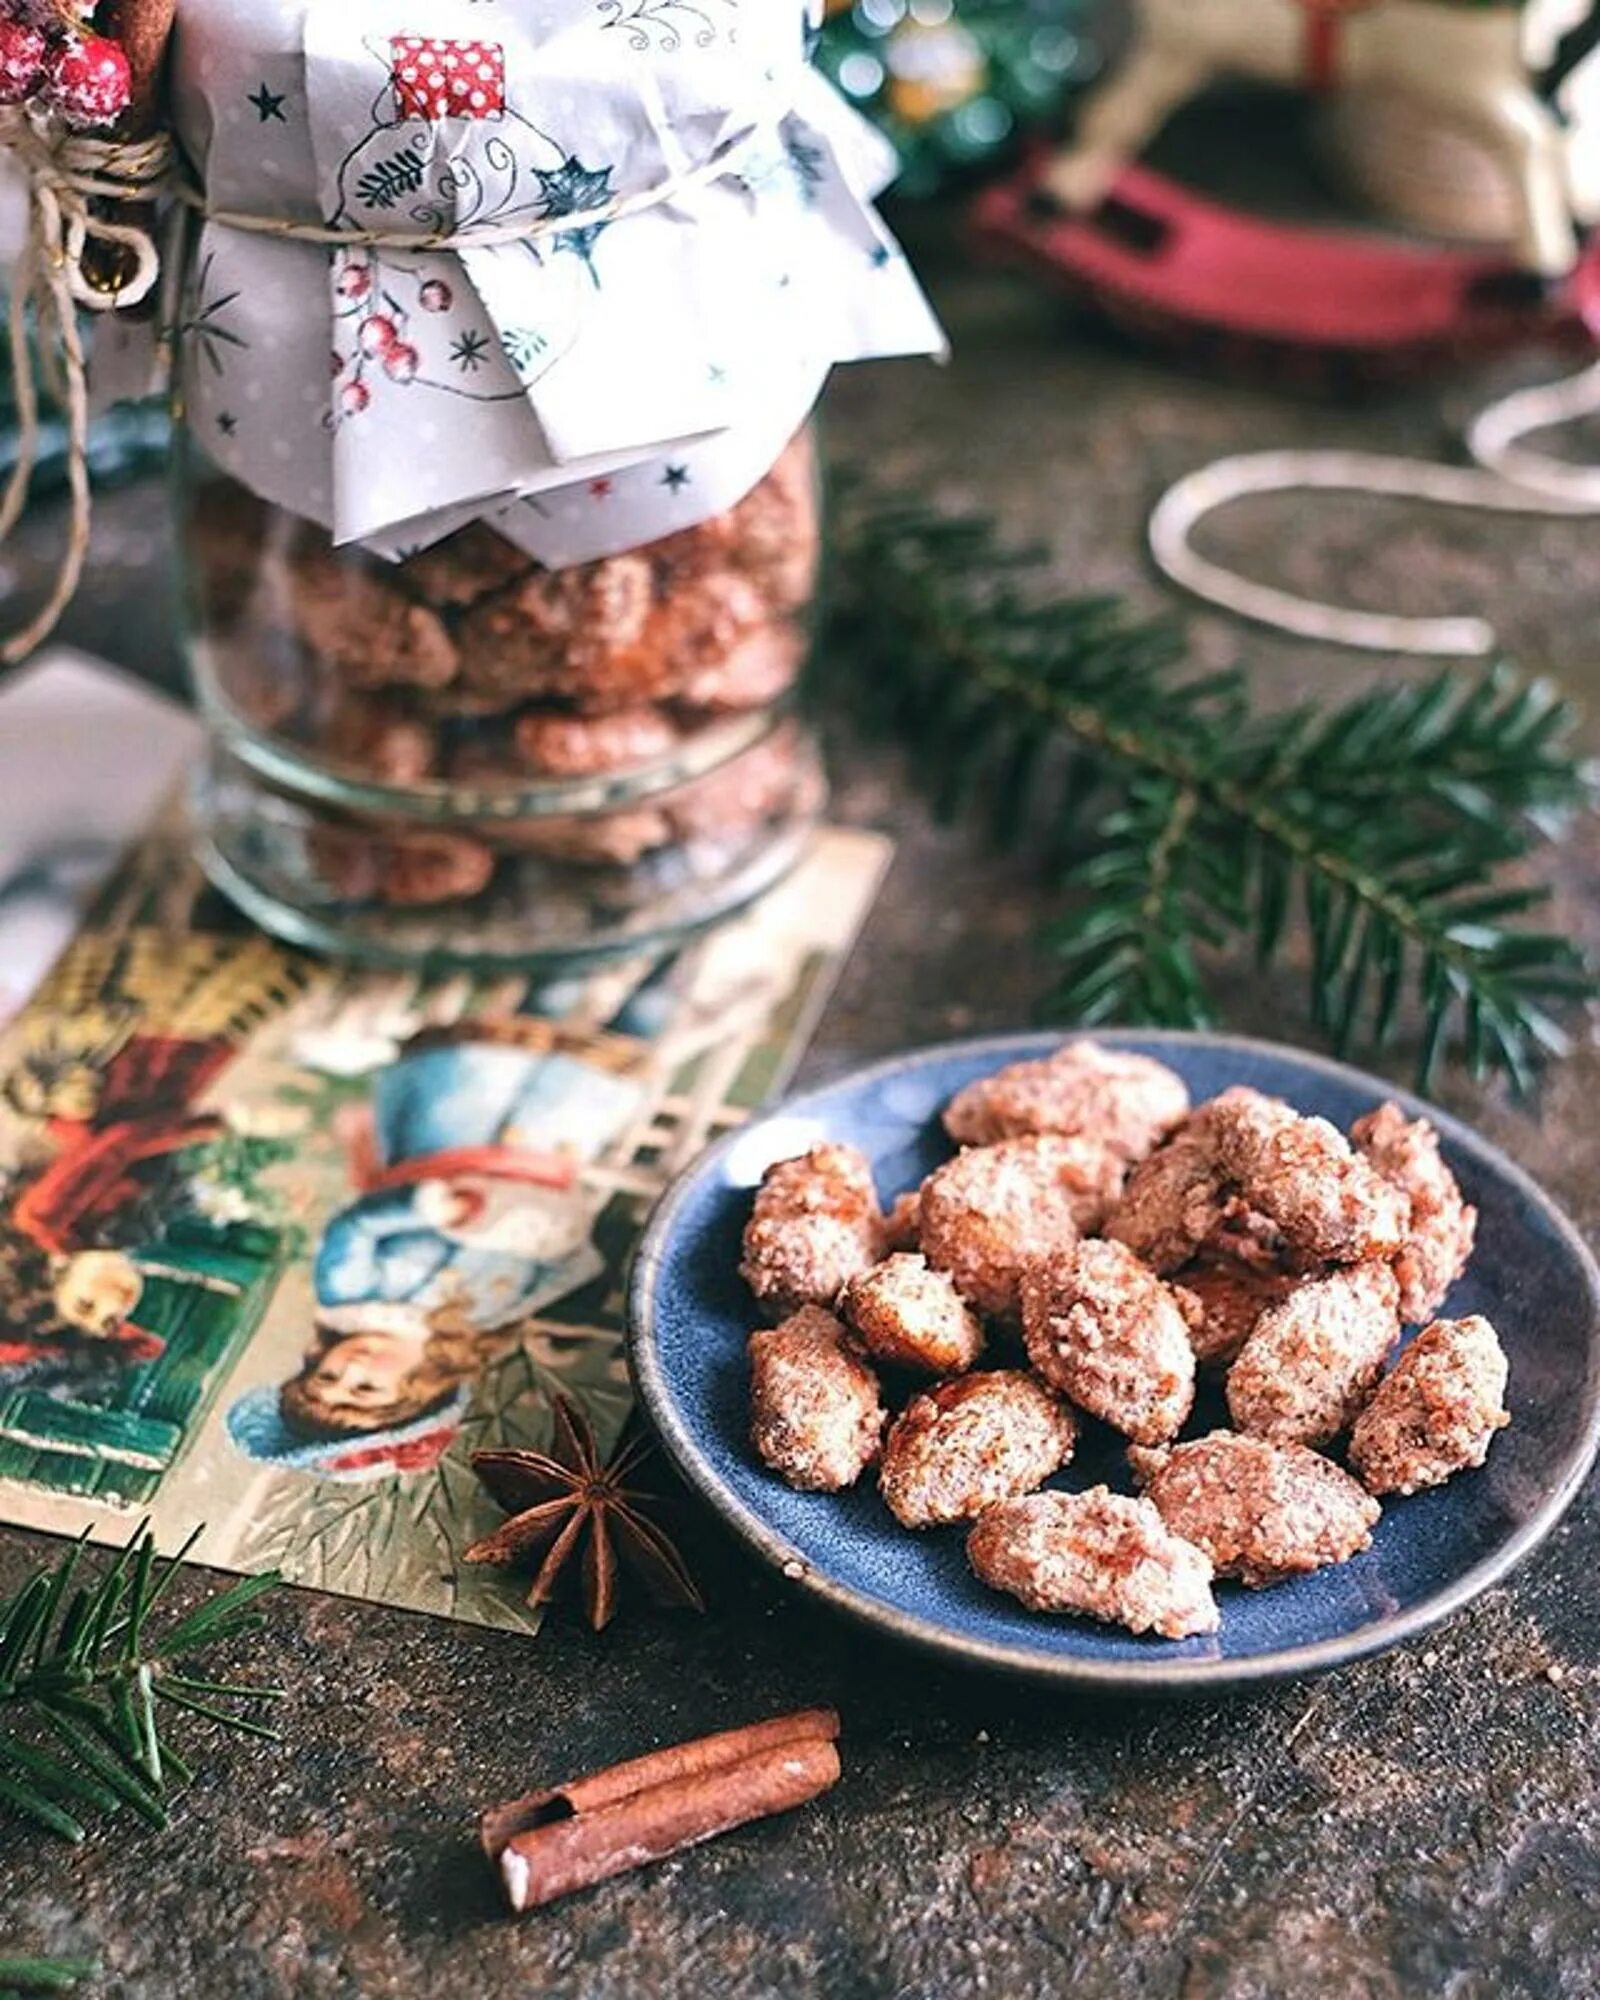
(82, 1668)
(1397, 826)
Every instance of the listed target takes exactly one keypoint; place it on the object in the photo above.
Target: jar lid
(655, 239)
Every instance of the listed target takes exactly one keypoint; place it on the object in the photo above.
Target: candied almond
(1441, 1225)
(911, 1316)
(814, 1224)
(1128, 1103)
(1229, 1297)
(1300, 1172)
(1436, 1412)
(1261, 1511)
(815, 1413)
(1173, 1200)
(1097, 1553)
(969, 1442)
(993, 1209)
(1312, 1360)
(1108, 1333)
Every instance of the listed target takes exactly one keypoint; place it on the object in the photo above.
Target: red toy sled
(1320, 306)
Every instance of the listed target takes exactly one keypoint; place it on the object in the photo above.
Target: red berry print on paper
(355, 281)
(378, 334)
(401, 362)
(434, 78)
(354, 398)
(436, 296)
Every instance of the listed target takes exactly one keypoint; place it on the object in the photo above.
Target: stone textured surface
(1423, 1823)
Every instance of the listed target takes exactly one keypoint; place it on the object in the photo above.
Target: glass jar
(463, 758)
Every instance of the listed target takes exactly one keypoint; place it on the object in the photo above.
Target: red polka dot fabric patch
(436, 79)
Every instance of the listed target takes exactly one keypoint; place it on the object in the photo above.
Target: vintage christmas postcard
(283, 1243)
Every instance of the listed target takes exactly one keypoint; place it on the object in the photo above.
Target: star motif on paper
(881, 255)
(574, 189)
(675, 478)
(269, 105)
(717, 375)
(227, 423)
(469, 350)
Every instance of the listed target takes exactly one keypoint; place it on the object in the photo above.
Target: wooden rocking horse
(1462, 57)
(1165, 262)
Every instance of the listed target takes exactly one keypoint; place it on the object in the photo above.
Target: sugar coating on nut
(762, 783)
(1300, 1172)
(1436, 1411)
(1441, 1229)
(902, 1226)
(364, 627)
(379, 740)
(815, 1413)
(912, 1317)
(758, 667)
(1126, 1102)
(555, 745)
(994, 1209)
(1174, 1199)
(465, 566)
(361, 864)
(1229, 1297)
(815, 1224)
(968, 1443)
(576, 634)
(1311, 1362)
(1097, 1553)
(1262, 1512)
(1107, 1332)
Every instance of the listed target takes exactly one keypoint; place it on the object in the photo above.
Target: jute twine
(91, 246)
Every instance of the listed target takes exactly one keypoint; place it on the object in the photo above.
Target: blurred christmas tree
(953, 82)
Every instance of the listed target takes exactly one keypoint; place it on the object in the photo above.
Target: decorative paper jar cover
(585, 390)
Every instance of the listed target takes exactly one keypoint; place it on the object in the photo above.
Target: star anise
(566, 1499)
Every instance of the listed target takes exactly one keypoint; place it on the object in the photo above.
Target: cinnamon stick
(551, 1843)
(143, 27)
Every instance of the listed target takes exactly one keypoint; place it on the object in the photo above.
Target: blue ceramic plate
(1431, 1554)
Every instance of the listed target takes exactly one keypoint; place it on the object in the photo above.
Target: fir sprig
(1400, 822)
(85, 1675)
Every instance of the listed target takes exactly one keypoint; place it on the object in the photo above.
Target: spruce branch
(1400, 823)
(83, 1672)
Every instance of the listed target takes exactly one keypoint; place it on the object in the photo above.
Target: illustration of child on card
(474, 1210)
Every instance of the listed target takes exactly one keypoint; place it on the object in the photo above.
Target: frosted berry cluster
(51, 57)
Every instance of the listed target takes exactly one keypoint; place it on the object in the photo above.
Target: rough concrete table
(1426, 1823)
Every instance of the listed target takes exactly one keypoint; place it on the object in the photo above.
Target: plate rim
(1132, 1677)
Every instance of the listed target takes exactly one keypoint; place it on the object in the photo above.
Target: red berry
(436, 296)
(88, 81)
(22, 53)
(401, 363)
(378, 334)
(355, 281)
(354, 398)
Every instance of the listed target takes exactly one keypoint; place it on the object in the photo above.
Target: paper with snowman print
(393, 394)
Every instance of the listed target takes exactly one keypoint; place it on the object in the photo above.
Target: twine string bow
(87, 248)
